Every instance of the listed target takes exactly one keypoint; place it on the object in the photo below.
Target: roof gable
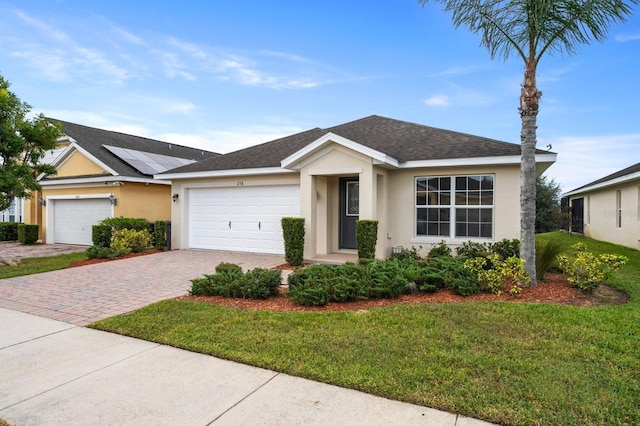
(624, 175)
(387, 141)
(91, 142)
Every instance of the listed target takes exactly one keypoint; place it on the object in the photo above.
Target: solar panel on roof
(148, 163)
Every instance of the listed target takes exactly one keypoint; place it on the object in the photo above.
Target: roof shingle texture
(92, 140)
(401, 140)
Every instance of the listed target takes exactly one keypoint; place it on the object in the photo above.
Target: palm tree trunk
(529, 103)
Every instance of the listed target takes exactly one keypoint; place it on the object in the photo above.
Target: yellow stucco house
(422, 184)
(608, 209)
(103, 174)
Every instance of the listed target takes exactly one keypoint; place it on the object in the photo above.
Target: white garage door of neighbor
(72, 219)
(241, 218)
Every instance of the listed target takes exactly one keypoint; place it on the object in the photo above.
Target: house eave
(107, 179)
(224, 173)
(601, 185)
(476, 161)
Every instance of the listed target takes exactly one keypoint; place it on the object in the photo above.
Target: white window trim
(451, 238)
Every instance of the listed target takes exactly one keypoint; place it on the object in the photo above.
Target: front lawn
(37, 265)
(508, 363)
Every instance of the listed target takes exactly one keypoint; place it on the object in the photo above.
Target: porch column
(308, 210)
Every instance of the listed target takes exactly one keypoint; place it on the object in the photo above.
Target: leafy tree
(530, 29)
(23, 144)
(548, 213)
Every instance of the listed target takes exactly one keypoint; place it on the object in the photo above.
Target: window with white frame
(454, 206)
(619, 208)
(13, 213)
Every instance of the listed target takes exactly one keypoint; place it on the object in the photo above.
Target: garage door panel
(254, 213)
(73, 219)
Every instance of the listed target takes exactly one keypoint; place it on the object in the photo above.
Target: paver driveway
(89, 293)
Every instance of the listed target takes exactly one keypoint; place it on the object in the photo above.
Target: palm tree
(531, 28)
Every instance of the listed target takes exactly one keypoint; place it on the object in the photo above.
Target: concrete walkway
(56, 373)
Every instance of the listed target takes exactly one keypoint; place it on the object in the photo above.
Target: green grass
(508, 363)
(36, 265)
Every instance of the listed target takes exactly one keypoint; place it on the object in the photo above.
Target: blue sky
(223, 74)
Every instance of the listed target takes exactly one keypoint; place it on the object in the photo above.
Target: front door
(349, 211)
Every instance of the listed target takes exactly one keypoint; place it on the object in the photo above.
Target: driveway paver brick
(89, 293)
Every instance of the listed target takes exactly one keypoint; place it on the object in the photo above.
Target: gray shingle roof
(621, 173)
(401, 140)
(92, 140)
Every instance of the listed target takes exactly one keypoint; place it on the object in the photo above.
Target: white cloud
(458, 70)
(437, 101)
(627, 37)
(583, 159)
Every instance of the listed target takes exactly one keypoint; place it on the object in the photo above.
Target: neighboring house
(422, 184)
(608, 209)
(103, 174)
(14, 212)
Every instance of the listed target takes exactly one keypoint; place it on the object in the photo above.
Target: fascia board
(616, 181)
(291, 161)
(475, 161)
(223, 173)
(101, 179)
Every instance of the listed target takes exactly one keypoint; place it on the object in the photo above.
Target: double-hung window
(454, 206)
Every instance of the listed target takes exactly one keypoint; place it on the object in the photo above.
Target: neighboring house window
(588, 209)
(455, 206)
(13, 213)
(619, 208)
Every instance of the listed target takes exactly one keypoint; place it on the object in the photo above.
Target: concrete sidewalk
(57, 373)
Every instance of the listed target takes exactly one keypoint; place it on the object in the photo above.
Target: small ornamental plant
(585, 270)
(494, 273)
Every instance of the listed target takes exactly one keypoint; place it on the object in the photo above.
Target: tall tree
(23, 144)
(530, 29)
(548, 212)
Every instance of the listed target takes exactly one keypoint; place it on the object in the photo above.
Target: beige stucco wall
(179, 209)
(402, 214)
(152, 201)
(79, 165)
(600, 218)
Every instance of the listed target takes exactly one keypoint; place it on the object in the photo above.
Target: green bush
(506, 248)
(230, 269)
(128, 240)
(27, 234)
(411, 253)
(160, 235)
(500, 274)
(231, 282)
(473, 249)
(447, 272)
(101, 235)
(366, 238)
(442, 249)
(309, 295)
(9, 231)
(293, 235)
(387, 280)
(117, 223)
(98, 252)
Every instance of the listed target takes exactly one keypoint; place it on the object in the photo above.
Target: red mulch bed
(555, 289)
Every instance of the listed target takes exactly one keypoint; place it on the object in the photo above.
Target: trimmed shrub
(387, 280)
(98, 252)
(499, 274)
(137, 224)
(160, 234)
(293, 235)
(27, 234)
(229, 269)
(101, 235)
(309, 295)
(366, 238)
(473, 249)
(585, 270)
(9, 231)
(128, 240)
(231, 282)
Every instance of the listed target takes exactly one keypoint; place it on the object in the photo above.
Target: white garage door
(72, 219)
(241, 218)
